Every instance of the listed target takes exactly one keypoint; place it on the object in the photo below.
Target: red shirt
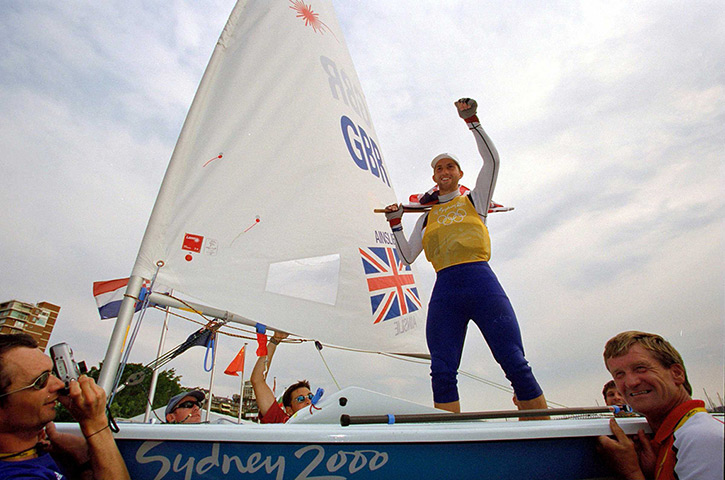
(275, 414)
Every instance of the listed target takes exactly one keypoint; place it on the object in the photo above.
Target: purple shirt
(41, 468)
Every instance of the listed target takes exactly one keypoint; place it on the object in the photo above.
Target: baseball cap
(198, 394)
(442, 156)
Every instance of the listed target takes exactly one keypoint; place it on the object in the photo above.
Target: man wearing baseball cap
(455, 239)
(185, 407)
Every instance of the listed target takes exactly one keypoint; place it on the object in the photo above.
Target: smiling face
(28, 410)
(297, 405)
(648, 387)
(446, 175)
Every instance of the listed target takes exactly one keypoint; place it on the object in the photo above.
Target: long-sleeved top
(410, 248)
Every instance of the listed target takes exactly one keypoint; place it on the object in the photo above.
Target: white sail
(266, 209)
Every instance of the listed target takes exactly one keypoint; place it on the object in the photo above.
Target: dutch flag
(109, 295)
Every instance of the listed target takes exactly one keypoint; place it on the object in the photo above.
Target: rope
(318, 346)
(249, 334)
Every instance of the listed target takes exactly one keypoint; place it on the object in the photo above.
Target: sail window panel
(315, 278)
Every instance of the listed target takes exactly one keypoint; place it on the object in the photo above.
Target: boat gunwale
(455, 432)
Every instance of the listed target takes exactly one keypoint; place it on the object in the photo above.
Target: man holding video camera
(30, 445)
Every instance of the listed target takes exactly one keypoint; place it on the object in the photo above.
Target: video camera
(64, 366)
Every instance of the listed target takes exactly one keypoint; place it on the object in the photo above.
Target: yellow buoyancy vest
(455, 234)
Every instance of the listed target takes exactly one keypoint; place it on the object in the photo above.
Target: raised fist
(466, 107)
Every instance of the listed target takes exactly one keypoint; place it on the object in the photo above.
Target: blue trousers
(471, 291)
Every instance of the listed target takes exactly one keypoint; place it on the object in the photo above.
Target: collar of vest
(449, 196)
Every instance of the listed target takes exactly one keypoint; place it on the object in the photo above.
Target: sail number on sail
(361, 146)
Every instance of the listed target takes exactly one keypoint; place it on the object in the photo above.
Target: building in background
(36, 320)
(230, 406)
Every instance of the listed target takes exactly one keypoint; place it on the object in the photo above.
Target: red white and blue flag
(109, 295)
(429, 198)
(393, 291)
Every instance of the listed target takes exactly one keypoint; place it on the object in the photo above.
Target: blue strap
(391, 419)
(210, 346)
(621, 408)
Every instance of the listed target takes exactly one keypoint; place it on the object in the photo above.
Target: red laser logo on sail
(311, 18)
(192, 243)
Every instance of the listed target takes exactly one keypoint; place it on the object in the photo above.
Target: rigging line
(210, 321)
(201, 323)
(490, 383)
(394, 356)
(472, 376)
(319, 349)
(250, 337)
(404, 359)
(502, 387)
(462, 372)
(183, 347)
(318, 346)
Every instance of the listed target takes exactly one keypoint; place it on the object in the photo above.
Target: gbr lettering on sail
(360, 145)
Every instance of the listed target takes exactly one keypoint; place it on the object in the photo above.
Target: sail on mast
(266, 209)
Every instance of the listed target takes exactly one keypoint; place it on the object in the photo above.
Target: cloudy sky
(607, 116)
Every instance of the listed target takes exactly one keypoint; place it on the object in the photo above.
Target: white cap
(440, 157)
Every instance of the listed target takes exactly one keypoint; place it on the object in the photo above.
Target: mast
(113, 353)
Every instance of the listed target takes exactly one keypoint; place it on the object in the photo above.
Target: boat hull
(555, 449)
(562, 459)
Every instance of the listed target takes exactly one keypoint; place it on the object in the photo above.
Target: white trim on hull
(469, 431)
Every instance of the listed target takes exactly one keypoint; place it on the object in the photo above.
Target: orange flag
(237, 364)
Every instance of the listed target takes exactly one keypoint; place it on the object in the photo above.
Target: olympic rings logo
(452, 217)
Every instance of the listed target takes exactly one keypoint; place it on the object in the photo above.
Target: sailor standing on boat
(456, 241)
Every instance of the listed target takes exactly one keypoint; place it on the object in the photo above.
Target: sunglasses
(301, 398)
(38, 384)
(188, 404)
